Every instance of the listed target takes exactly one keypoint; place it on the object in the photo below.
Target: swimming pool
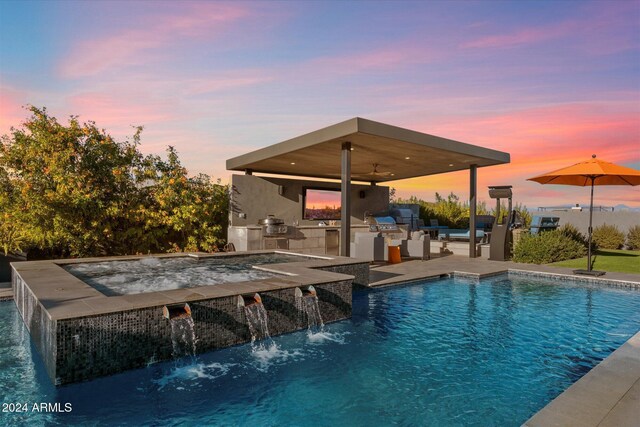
(450, 352)
(153, 274)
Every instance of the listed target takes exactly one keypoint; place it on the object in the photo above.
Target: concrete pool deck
(383, 275)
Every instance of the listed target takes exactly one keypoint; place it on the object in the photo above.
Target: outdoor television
(321, 204)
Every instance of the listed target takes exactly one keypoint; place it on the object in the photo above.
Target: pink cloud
(540, 140)
(12, 112)
(556, 131)
(386, 58)
(521, 37)
(118, 112)
(598, 28)
(137, 46)
(219, 83)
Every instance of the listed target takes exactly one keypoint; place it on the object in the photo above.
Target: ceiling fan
(375, 171)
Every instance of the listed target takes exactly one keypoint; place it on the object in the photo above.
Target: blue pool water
(449, 352)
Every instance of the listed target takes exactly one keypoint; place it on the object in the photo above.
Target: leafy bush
(452, 212)
(524, 214)
(72, 190)
(608, 237)
(573, 233)
(551, 246)
(633, 237)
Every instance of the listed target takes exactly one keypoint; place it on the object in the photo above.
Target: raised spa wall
(107, 335)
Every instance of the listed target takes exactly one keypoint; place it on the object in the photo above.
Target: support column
(345, 188)
(473, 191)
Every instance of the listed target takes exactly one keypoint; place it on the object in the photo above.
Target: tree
(186, 213)
(72, 190)
(11, 234)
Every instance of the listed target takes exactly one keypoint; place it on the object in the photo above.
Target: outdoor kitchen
(300, 215)
(340, 206)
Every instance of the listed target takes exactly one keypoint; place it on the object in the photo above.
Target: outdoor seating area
(453, 234)
(416, 245)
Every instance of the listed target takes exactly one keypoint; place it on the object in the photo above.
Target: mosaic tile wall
(35, 318)
(600, 281)
(359, 271)
(93, 346)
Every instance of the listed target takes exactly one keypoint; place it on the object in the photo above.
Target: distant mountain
(617, 208)
(627, 208)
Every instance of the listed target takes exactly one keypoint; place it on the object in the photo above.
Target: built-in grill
(272, 226)
(405, 216)
(383, 224)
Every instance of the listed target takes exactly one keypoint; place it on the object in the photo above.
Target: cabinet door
(270, 244)
(276, 243)
(332, 242)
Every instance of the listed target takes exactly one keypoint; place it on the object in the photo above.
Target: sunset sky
(551, 82)
(319, 199)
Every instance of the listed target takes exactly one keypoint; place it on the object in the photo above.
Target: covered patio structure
(364, 150)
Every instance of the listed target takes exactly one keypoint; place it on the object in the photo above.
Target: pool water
(152, 274)
(445, 353)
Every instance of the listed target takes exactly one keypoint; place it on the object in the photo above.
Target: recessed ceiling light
(293, 163)
(450, 164)
(407, 158)
(352, 148)
(393, 174)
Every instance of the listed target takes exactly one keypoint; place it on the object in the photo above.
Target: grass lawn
(608, 260)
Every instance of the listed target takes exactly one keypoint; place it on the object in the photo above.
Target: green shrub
(573, 233)
(633, 237)
(551, 246)
(608, 237)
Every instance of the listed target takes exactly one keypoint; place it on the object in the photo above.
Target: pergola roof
(398, 153)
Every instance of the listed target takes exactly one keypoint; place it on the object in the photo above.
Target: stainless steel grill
(405, 216)
(272, 226)
(383, 224)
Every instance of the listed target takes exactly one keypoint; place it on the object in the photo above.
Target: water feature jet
(255, 315)
(307, 305)
(183, 334)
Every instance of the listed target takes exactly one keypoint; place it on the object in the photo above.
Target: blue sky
(551, 82)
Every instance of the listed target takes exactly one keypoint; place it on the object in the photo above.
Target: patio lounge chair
(485, 222)
(419, 246)
(369, 246)
(454, 234)
(544, 223)
(433, 229)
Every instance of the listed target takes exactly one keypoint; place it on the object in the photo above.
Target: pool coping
(65, 296)
(607, 396)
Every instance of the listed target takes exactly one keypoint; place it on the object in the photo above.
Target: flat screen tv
(321, 204)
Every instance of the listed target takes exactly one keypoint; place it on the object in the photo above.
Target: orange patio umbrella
(591, 173)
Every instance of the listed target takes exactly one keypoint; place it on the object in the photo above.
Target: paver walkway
(381, 275)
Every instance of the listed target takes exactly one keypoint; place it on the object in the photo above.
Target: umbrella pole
(590, 223)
